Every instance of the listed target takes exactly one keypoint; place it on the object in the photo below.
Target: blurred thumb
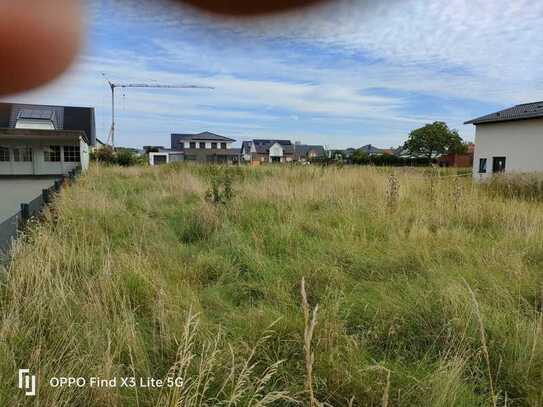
(38, 41)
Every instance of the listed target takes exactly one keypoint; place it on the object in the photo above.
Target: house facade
(259, 151)
(307, 152)
(43, 139)
(510, 140)
(203, 147)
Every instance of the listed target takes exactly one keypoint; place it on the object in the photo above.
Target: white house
(510, 140)
(164, 156)
(44, 140)
(259, 151)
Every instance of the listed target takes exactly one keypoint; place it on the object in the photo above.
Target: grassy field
(429, 290)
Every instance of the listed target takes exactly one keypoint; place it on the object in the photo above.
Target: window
(181, 145)
(482, 165)
(72, 154)
(214, 145)
(192, 144)
(22, 154)
(52, 154)
(498, 164)
(223, 146)
(202, 145)
(4, 153)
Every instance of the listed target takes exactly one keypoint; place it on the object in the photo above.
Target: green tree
(360, 157)
(434, 139)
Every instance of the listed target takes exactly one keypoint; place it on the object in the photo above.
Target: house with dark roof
(372, 150)
(307, 152)
(44, 139)
(510, 140)
(202, 147)
(260, 151)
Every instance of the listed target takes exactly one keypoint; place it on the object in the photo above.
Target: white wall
(520, 142)
(84, 150)
(153, 155)
(171, 156)
(276, 150)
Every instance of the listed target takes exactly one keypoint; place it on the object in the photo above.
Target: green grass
(140, 275)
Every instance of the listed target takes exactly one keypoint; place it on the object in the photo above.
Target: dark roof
(372, 149)
(272, 142)
(205, 136)
(263, 145)
(518, 112)
(63, 117)
(302, 150)
(246, 146)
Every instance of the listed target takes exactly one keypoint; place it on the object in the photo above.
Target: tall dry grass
(105, 290)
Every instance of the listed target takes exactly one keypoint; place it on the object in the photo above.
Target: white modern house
(44, 140)
(260, 151)
(510, 140)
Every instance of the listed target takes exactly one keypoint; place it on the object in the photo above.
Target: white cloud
(484, 50)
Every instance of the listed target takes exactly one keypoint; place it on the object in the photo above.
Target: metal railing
(11, 228)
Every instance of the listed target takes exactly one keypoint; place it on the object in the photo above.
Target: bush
(104, 155)
(122, 157)
(220, 191)
(126, 158)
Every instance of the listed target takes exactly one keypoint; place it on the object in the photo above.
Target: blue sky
(344, 74)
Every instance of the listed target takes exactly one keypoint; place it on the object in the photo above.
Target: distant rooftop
(263, 146)
(519, 112)
(206, 135)
(271, 142)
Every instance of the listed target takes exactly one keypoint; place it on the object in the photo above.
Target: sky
(344, 74)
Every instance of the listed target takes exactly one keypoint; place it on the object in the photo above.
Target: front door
(498, 164)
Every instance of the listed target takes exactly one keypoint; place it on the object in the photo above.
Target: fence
(12, 227)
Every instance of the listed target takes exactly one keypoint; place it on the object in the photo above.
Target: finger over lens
(38, 41)
(250, 7)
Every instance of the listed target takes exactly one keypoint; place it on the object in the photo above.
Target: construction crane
(113, 86)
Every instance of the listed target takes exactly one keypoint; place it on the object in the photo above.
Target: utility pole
(113, 86)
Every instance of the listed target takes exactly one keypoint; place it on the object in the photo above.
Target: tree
(434, 139)
(360, 157)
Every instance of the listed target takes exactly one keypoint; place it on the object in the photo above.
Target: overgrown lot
(429, 290)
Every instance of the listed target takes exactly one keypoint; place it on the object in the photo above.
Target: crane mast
(113, 86)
